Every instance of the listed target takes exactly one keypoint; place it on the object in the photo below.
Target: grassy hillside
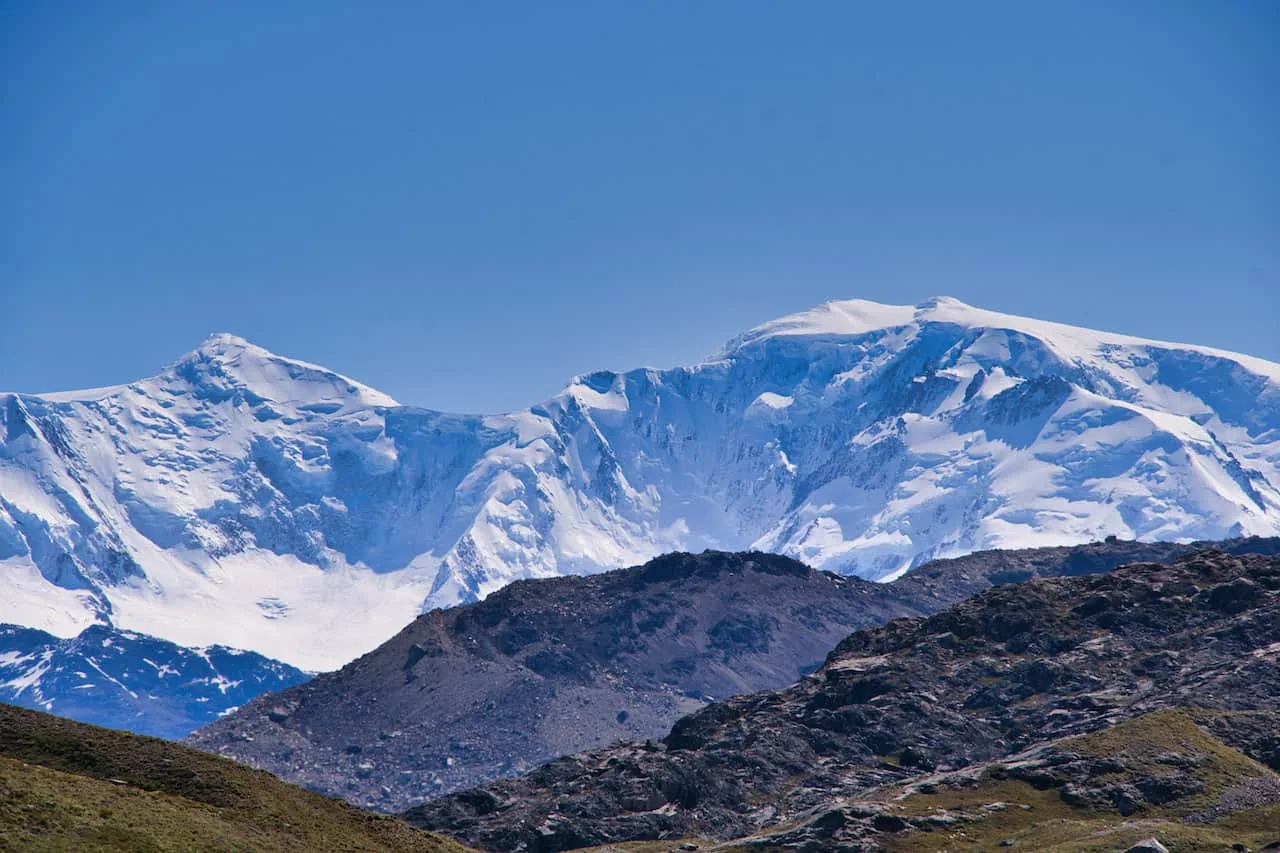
(1225, 797)
(70, 786)
(1201, 796)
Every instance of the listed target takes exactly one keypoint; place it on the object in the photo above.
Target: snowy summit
(252, 500)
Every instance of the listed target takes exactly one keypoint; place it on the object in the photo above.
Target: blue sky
(465, 204)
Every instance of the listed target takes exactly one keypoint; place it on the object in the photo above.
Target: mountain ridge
(247, 499)
(553, 666)
(548, 666)
(978, 695)
(124, 680)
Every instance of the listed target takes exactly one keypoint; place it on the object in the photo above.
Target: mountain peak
(224, 360)
(835, 318)
(852, 318)
(224, 342)
(843, 318)
(941, 302)
(228, 347)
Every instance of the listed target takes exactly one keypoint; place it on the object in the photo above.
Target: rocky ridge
(551, 667)
(1012, 670)
(543, 668)
(242, 498)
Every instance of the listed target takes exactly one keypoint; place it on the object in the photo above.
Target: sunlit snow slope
(248, 499)
(130, 681)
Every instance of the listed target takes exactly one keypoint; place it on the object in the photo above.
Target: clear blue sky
(465, 203)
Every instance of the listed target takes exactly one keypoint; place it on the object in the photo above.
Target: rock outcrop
(1014, 669)
(551, 667)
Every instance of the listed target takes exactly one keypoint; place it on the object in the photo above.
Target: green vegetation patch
(1163, 744)
(69, 786)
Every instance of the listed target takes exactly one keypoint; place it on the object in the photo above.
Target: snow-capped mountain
(248, 499)
(130, 681)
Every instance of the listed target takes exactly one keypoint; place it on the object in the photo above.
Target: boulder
(1148, 845)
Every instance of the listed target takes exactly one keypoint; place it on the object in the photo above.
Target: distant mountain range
(250, 500)
(131, 681)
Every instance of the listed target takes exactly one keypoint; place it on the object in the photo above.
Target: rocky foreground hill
(550, 667)
(544, 668)
(1072, 713)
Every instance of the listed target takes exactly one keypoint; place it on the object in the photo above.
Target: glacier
(246, 499)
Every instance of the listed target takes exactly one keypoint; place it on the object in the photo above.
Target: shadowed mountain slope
(547, 667)
(1010, 670)
(550, 667)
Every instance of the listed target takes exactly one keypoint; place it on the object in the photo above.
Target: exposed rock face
(1148, 845)
(942, 583)
(994, 676)
(544, 668)
(1256, 734)
(550, 667)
